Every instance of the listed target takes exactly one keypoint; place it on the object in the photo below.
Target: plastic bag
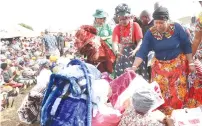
(137, 82)
(106, 120)
(187, 117)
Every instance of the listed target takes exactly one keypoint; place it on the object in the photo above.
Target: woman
(103, 29)
(198, 37)
(94, 48)
(139, 112)
(30, 108)
(173, 57)
(194, 98)
(127, 37)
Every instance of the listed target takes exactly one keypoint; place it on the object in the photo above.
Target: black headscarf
(122, 10)
(161, 13)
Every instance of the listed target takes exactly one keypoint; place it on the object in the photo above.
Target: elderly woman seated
(140, 112)
(8, 77)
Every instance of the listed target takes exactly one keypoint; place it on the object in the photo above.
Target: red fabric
(15, 85)
(107, 77)
(87, 47)
(120, 84)
(106, 120)
(198, 66)
(137, 32)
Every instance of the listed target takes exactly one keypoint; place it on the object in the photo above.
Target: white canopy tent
(11, 31)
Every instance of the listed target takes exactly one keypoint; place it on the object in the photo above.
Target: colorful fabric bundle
(119, 85)
(96, 50)
(68, 91)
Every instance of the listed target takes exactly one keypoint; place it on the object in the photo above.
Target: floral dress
(194, 97)
(132, 118)
(199, 28)
(127, 45)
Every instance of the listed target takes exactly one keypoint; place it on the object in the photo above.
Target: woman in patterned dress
(139, 114)
(103, 30)
(197, 46)
(194, 98)
(127, 37)
(173, 59)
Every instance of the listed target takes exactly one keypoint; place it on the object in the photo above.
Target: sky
(70, 14)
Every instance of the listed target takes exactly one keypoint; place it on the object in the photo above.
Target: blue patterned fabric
(79, 112)
(50, 42)
(71, 112)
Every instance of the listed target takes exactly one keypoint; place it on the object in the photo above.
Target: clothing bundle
(94, 48)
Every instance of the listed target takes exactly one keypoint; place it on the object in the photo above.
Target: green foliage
(26, 26)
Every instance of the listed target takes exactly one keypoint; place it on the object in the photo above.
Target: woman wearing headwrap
(140, 112)
(127, 38)
(173, 59)
(94, 48)
(30, 108)
(103, 30)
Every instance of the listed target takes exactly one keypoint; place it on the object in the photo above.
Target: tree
(26, 26)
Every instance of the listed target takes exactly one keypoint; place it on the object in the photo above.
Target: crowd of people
(149, 45)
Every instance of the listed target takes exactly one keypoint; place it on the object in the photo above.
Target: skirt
(172, 77)
(125, 61)
(194, 96)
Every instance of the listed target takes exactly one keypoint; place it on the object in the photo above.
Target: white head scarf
(143, 100)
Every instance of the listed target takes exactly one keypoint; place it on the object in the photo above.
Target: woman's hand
(132, 53)
(192, 68)
(169, 121)
(133, 68)
(118, 55)
(104, 38)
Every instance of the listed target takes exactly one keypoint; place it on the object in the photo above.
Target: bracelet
(191, 64)
(134, 66)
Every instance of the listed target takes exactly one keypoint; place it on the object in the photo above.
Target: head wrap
(143, 100)
(161, 13)
(122, 10)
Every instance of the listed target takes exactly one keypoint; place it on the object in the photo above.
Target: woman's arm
(115, 40)
(144, 48)
(189, 58)
(137, 63)
(196, 42)
(139, 43)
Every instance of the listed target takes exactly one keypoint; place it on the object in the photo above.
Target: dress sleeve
(109, 30)
(115, 35)
(146, 46)
(184, 39)
(137, 32)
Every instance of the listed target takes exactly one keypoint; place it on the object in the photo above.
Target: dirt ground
(9, 117)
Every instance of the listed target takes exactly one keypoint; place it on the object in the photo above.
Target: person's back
(50, 43)
(61, 43)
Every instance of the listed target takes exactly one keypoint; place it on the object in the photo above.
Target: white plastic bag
(187, 117)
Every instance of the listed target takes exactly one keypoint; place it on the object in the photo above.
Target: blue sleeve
(184, 39)
(146, 46)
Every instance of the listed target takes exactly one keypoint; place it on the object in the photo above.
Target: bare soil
(9, 117)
